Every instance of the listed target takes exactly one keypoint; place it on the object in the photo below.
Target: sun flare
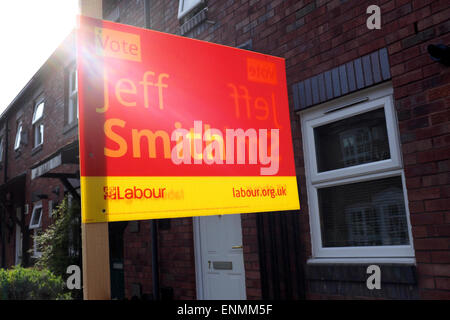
(30, 32)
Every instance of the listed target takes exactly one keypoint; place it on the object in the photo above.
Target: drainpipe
(153, 222)
(5, 178)
(5, 175)
(147, 14)
(155, 262)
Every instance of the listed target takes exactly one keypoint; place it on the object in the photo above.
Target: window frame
(36, 108)
(38, 225)
(36, 252)
(324, 114)
(394, 145)
(183, 11)
(18, 138)
(72, 91)
(37, 124)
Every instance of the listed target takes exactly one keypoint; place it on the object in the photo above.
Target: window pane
(38, 112)
(74, 102)
(18, 135)
(38, 134)
(352, 141)
(188, 4)
(368, 213)
(73, 81)
(36, 217)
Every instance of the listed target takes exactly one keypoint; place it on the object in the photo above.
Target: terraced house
(369, 111)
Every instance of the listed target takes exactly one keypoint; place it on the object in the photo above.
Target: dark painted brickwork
(397, 281)
(355, 75)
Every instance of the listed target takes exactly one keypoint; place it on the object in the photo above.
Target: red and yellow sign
(175, 127)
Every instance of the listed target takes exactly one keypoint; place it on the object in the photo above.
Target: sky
(30, 30)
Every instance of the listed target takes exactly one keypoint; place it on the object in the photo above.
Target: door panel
(222, 258)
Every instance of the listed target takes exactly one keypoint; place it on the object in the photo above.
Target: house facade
(369, 113)
(39, 155)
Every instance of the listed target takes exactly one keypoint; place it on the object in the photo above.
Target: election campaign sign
(175, 127)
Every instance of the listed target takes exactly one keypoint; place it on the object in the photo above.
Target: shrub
(60, 242)
(31, 284)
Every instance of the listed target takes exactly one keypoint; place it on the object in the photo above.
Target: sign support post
(153, 222)
(94, 236)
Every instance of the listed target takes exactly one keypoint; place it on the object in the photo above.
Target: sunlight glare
(30, 31)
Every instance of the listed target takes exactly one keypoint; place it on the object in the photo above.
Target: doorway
(116, 231)
(219, 257)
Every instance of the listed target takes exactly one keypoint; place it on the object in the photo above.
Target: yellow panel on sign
(172, 197)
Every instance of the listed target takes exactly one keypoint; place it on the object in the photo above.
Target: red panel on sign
(159, 104)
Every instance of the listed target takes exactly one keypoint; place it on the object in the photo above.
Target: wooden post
(96, 274)
(94, 236)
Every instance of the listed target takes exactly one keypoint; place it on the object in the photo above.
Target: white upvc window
(38, 125)
(185, 6)
(18, 135)
(36, 251)
(36, 226)
(72, 111)
(36, 216)
(355, 181)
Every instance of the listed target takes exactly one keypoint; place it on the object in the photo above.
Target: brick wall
(422, 101)
(317, 35)
(422, 93)
(175, 254)
(177, 262)
(126, 12)
(251, 256)
(137, 259)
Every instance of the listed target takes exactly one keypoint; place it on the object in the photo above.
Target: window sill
(37, 149)
(191, 22)
(357, 272)
(190, 12)
(70, 126)
(375, 260)
(398, 281)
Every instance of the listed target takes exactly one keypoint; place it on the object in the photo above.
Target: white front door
(219, 256)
